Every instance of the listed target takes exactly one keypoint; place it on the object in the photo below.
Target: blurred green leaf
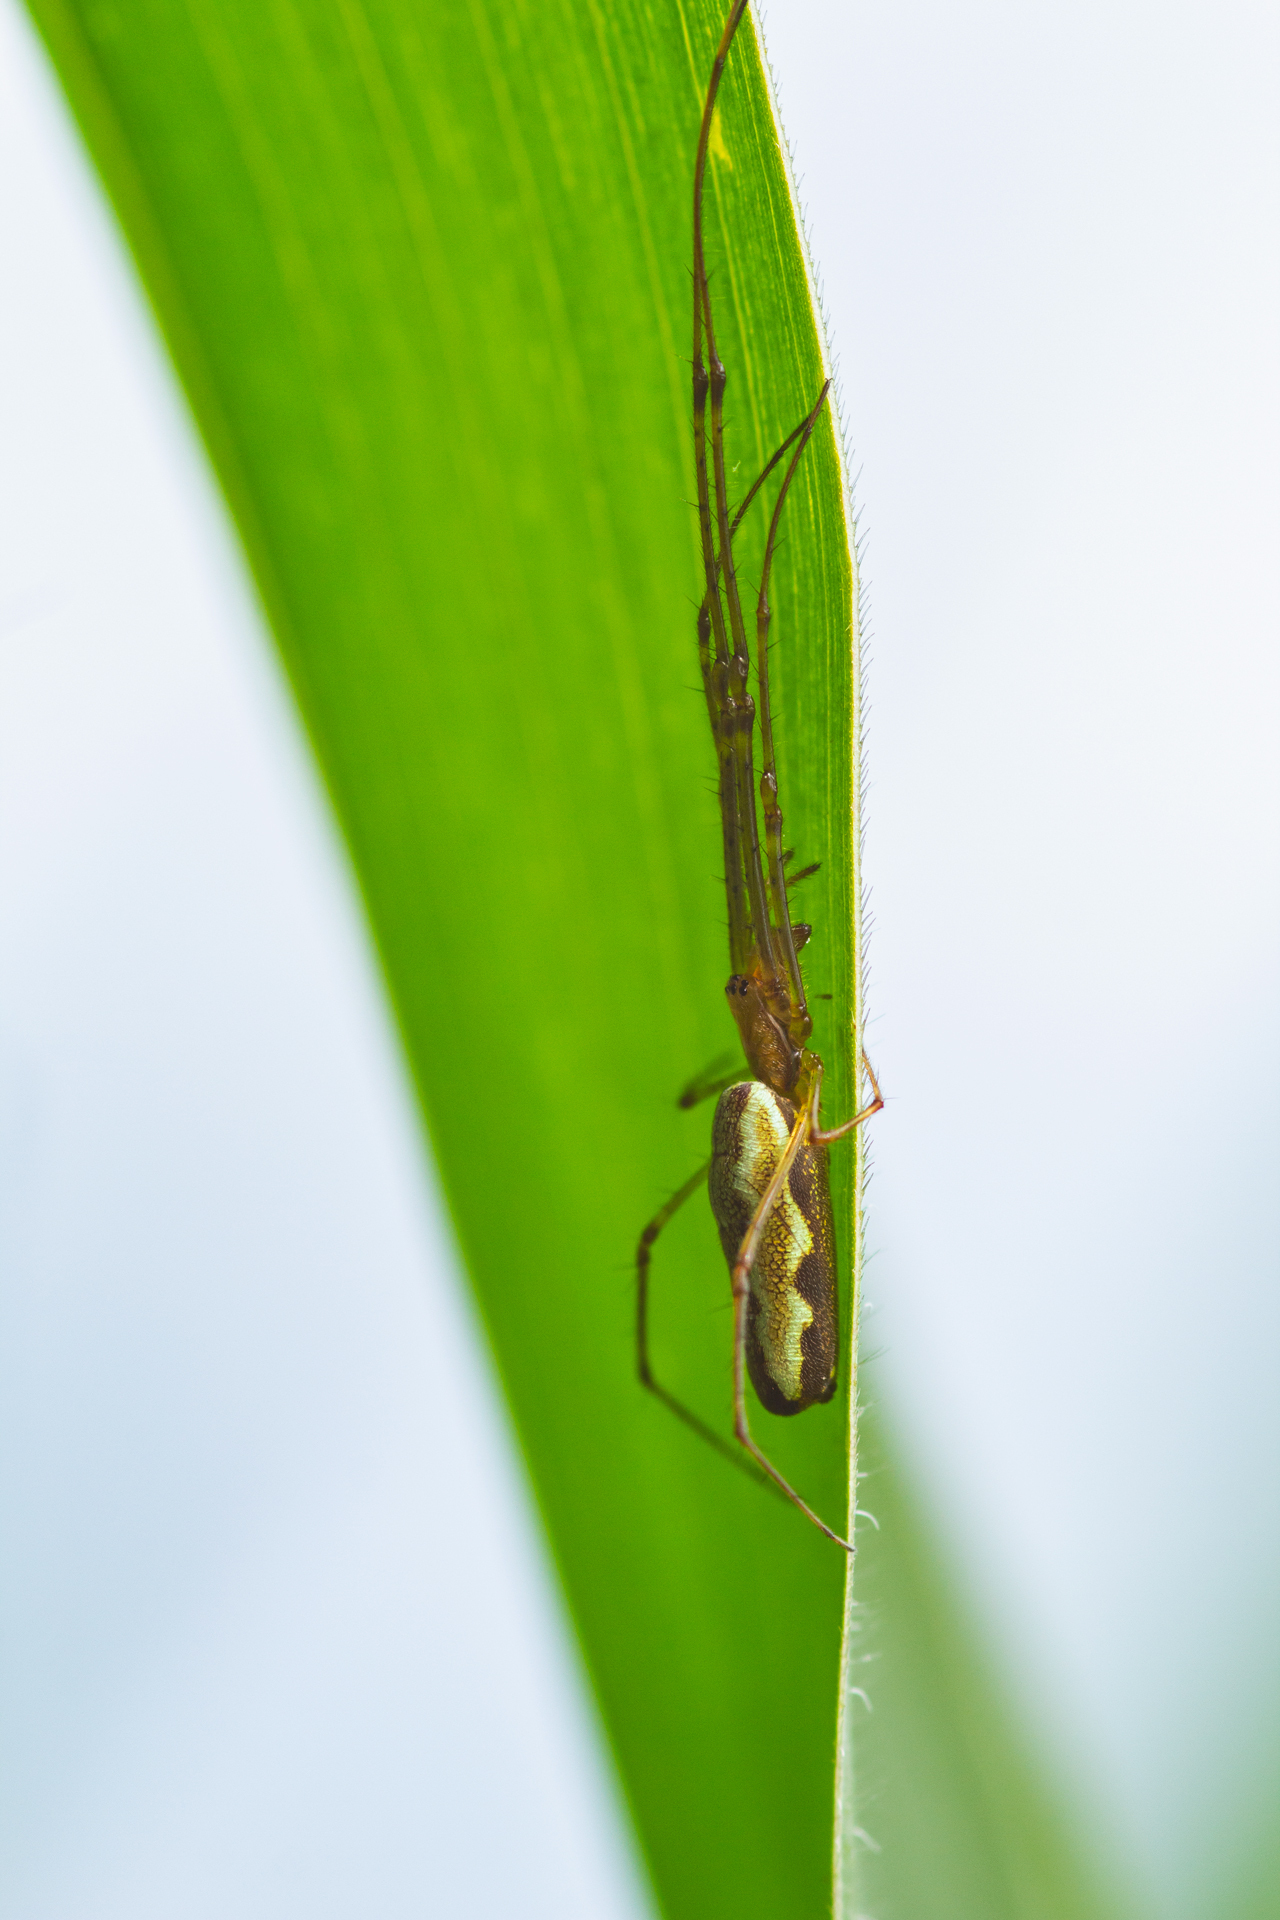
(1250, 1889)
(954, 1801)
(424, 271)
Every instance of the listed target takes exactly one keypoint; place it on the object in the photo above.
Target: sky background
(267, 1651)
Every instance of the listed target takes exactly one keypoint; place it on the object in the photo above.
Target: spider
(767, 1174)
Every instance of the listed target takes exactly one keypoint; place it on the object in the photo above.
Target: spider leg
(779, 906)
(644, 1253)
(722, 1073)
(823, 1137)
(727, 664)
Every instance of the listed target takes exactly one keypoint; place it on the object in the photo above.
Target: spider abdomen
(792, 1326)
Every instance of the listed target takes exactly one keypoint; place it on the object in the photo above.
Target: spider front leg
(821, 1138)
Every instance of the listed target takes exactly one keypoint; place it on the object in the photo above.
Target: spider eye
(737, 983)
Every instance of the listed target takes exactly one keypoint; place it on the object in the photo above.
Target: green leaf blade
(425, 277)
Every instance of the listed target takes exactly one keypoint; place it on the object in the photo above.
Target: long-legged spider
(768, 1168)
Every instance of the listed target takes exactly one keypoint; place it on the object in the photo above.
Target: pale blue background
(278, 1636)
(1050, 238)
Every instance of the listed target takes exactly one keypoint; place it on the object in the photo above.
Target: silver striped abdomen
(792, 1331)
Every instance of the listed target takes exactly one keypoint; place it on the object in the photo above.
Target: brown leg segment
(643, 1255)
(712, 1082)
(823, 1139)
